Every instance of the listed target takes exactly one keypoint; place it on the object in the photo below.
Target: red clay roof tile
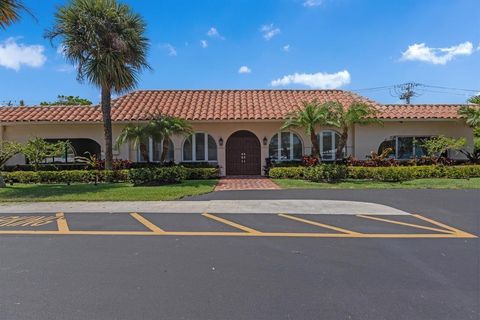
(217, 105)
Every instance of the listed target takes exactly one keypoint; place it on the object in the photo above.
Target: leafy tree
(472, 118)
(308, 118)
(474, 99)
(138, 136)
(436, 147)
(67, 101)
(345, 118)
(105, 40)
(37, 150)
(168, 126)
(10, 12)
(471, 115)
(7, 150)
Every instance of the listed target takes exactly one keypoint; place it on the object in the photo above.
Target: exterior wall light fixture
(265, 141)
(220, 141)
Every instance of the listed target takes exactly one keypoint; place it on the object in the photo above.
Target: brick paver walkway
(245, 183)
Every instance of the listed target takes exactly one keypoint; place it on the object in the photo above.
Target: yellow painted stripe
(318, 224)
(452, 229)
(230, 223)
(244, 234)
(403, 223)
(146, 223)
(62, 222)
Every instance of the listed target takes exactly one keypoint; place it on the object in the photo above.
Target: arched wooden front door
(243, 154)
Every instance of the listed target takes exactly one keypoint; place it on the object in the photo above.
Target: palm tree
(344, 118)
(168, 126)
(138, 136)
(105, 41)
(308, 118)
(10, 12)
(471, 115)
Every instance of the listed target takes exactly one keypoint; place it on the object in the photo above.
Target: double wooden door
(243, 154)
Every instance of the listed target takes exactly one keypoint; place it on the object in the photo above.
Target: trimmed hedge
(326, 172)
(332, 172)
(65, 176)
(159, 175)
(202, 173)
(287, 172)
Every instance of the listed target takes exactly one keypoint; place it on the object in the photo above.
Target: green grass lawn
(104, 192)
(362, 184)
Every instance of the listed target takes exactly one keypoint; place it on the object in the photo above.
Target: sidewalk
(211, 206)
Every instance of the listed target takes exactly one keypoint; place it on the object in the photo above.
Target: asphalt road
(198, 277)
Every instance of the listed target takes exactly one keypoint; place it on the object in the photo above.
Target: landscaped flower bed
(336, 172)
(153, 175)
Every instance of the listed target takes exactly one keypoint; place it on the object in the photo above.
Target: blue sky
(270, 44)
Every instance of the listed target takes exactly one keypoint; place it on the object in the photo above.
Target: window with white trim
(288, 147)
(328, 141)
(200, 147)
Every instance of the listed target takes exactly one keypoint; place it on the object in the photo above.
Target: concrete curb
(211, 206)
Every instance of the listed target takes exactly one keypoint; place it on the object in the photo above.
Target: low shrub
(202, 173)
(326, 173)
(287, 172)
(157, 176)
(335, 172)
(66, 176)
(404, 173)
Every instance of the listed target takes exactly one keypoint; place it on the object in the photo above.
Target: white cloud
(269, 31)
(312, 3)
(244, 69)
(420, 52)
(213, 33)
(286, 48)
(319, 80)
(14, 55)
(204, 43)
(170, 49)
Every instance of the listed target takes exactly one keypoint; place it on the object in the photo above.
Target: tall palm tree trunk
(144, 152)
(342, 143)
(107, 125)
(315, 145)
(165, 148)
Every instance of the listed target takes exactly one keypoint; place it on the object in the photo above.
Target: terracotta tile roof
(420, 111)
(216, 105)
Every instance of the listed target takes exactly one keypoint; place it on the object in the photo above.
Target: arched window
(328, 140)
(388, 144)
(285, 146)
(200, 147)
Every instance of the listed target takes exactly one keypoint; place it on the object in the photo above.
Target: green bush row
(332, 172)
(157, 176)
(160, 175)
(66, 176)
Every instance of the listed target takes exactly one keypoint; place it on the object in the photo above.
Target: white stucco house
(236, 129)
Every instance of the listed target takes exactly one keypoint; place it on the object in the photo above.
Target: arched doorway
(243, 154)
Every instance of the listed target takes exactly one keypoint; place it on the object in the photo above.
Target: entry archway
(243, 154)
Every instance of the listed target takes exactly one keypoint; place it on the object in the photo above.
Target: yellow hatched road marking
(62, 222)
(146, 223)
(403, 223)
(318, 224)
(452, 229)
(231, 223)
